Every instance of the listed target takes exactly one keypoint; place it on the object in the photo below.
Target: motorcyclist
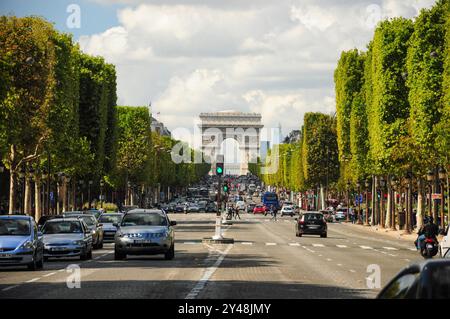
(429, 230)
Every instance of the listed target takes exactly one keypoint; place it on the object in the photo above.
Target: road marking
(208, 273)
(341, 246)
(390, 248)
(33, 280)
(366, 247)
(271, 244)
(50, 274)
(413, 249)
(408, 260)
(246, 243)
(10, 287)
(340, 265)
(318, 245)
(351, 270)
(61, 270)
(392, 255)
(329, 259)
(294, 244)
(190, 243)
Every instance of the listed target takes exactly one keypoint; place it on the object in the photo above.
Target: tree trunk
(420, 202)
(12, 192)
(37, 199)
(387, 220)
(322, 197)
(27, 197)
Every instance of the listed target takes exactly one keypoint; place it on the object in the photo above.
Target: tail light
(429, 240)
(301, 222)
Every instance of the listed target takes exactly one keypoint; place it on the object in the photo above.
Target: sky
(276, 58)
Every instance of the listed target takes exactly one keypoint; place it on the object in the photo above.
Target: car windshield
(309, 217)
(62, 227)
(14, 227)
(144, 219)
(89, 220)
(110, 219)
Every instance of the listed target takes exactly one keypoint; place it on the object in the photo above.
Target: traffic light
(225, 188)
(219, 169)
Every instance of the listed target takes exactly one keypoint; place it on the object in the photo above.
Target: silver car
(145, 232)
(20, 242)
(108, 220)
(67, 237)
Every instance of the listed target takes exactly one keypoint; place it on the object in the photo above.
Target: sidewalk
(398, 234)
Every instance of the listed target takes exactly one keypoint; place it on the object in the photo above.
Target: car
(240, 205)
(67, 237)
(108, 220)
(202, 206)
(21, 242)
(287, 210)
(259, 209)
(341, 214)
(444, 245)
(44, 219)
(328, 215)
(211, 208)
(428, 279)
(179, 208)
(193, 208)
(144, 232)
(94, 212)
(95, 227)
(250, 207)
(311, 223)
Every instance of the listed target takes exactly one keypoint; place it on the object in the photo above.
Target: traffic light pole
(218, 233)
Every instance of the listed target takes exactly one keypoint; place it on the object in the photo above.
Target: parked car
(328, 216)
(425, 280)
(108, 220)
(144, 232)
(193, 208)
(259, 209)
(311, 223)
(202, 206)
(94, 226)
(287, 210)
(67, 237)
(45, 218)
(179, 208)
(341, 214)
(21, 243)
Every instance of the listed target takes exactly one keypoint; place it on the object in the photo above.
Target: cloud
(276, 58)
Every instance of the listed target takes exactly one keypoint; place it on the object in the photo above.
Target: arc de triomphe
(242, 127)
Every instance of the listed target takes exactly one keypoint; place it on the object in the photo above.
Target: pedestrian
(274, 213)
(236, 213)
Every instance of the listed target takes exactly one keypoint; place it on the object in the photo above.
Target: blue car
(20, 242)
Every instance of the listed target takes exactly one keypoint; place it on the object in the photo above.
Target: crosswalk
(298, 244)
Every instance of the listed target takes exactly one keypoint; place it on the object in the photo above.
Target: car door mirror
(173, 223)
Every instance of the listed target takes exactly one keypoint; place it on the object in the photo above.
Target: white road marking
(318, 245)
(271, 244)
(413, 249)
(294, 244)
(208, 273)
(340, 265)
(33, 280)
(392, 255)
(366, 247)
(50, 274)
(61, 270)
(10, 287)
(341, 246)
(329, 259)
(408, 260)
(190, 243)
(351, 270)
(246, 243)
(390, 248)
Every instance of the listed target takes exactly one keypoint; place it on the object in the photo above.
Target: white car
(240, 205)
(287, 210)
(444, 245)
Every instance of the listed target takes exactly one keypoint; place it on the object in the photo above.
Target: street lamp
(89, 193)
(408, 217)
(442, 177)
(102, 184)
(394, 184)
(348, 201)
(366, 221)
(430, 178)
(382, 215)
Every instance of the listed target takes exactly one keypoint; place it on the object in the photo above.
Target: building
(159, 127)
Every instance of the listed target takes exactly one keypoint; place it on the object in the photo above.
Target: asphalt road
(266, 261)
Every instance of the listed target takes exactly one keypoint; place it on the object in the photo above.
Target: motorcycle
(430, 248)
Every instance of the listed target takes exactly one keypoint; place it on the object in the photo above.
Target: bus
(269, 199)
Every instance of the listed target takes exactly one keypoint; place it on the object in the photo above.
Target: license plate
(313, 226)
(58, 249)
(5, 255)
(429, 246)
(142, 241)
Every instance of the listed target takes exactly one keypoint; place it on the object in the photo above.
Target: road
(266, 261)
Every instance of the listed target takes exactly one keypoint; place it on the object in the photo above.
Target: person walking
(274, 212)
(236, 213)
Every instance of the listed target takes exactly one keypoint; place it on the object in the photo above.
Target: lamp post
(81, 182)
(102, 184)
(408, 216)
(67, 192)
(358, 185)
(394, 184)
(89, 193)
(2, 169)
(59, 182)
(442, 178)
(382, 215)
(366, 221)
(430, 177)
(127, 199)
(348, 201)
(22, 175)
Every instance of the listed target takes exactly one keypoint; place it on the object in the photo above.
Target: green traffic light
(219, 170)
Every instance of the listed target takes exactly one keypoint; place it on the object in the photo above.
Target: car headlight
(27, 245)
(93, 232)
(78, 242)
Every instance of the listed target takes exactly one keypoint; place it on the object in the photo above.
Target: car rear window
(312, 217)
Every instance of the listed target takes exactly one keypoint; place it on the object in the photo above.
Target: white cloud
(276, 58)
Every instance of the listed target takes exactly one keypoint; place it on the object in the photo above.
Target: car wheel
(89, 254)
(100, 245)
(33, 265)
(170, 254)
(323, 235)
(119, 256)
